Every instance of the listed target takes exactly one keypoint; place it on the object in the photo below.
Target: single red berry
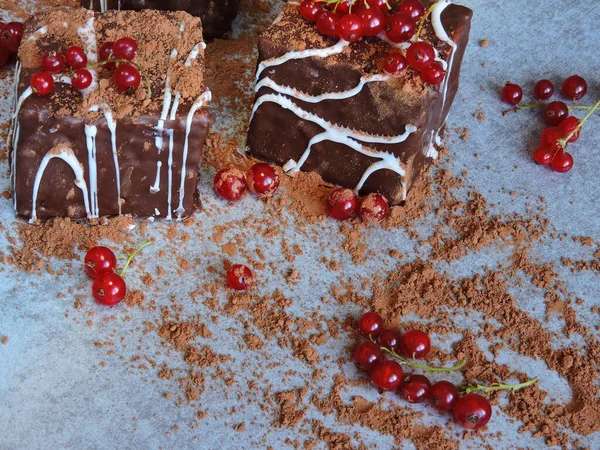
(414, 8)
(327, 23)
(76, 57)
(370, 324)
(394, 62)
(310, 10)
(373, 208)
(443, 396)
(11, 36)
(543, 90)
(99, 260)
(341, 204)
(415, 388)
(4, 55)
(127, 77)
(473, 411)
(230, 184)
(555, 112)
(542, 155)
(387, 375)
(420, 55)
(343, 7)
(569, 125)
(373, 21)
(42, 83)
(574, 87)
(53, 62)
(381, 5)
(350, 27)
(512, 94)
(105, 52)
(551, 138)
(400, 27)
(562, 162)
(239, 277)
(262, 179)
(415, 344)
(367, 355)
(109, 289)
(389, 339)
(125, 48)
(82, 79)
(434, 74)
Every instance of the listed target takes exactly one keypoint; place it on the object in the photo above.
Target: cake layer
(101, 151)
(217, 15)
(341, 116)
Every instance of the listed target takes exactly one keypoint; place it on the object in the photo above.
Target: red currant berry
(394, 62)
(341, 204)
(542, 155)
(4, 55)
(42, 83)
(327, 23)
(239, 277)
(367, 355)
(400, 27)
(53, 62)
(512, 94)
(99, 260)
(434, 74)
(543, 90)
(310, 10)
(574, 87)
(555, 113)
(373, 208)
(11, 36)
(370, 324)
(82, 79)
(381, 5)
(569, 125)
(230, 184)
(473, 411)
(415, 388)
(127, 77)
(420, 55)
(105, 52)
(350, 27)
(373, 21)
(343, 7)
(550, 138)
(443, 396)
(387, 375)
(109, 289)
(389, 339)
(262, 179)
(562, 162)
(76, 57)
(414, 8)
(125, 48)
(415, 344)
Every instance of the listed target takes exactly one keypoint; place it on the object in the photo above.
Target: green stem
(137, 66)
(497, 386)
(417, 365)
(422, 23)
(563, 142)
(130, 257)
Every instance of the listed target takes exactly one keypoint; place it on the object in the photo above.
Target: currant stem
(130, 257)
(137, 66)
(578, 127)
(417, 365)
(422, 23)
(497, 386)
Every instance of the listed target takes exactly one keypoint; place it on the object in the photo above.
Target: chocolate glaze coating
(217, 15)
(380, 108)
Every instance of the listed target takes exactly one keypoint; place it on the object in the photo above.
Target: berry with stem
(367, 355)
(387, 375)
(394, 62)
(562, 162)
(543, 155)
(53, 62)
(124, 48)
(127, 77)
(381, 5)
(413, 8)
(230, 184)
(343, 7)
(420, 55)
(512, 94)
(555, 112)
(374, 208)
(473, 411)
(551, 138)
(574, 87)
(543, 89)
(109, 289)
(99, 260)
(11, 36)
(311, 10)
(82, 79)
(350, 27)
(105, 52)
(42, 83)
(373, 21)
(370, 324)
(327, 23)
(400, 27)
(341, 204)
(262, 179)
(415, 388)
(443, 396)
(239, 277)
(389, 339)
(415, 344)
(571, 125)
(76, 57)
(564, 141)
(434, 74)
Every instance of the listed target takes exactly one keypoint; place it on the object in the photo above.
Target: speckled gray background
(55, 394)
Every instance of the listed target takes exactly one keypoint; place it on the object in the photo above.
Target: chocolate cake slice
(323, 104)
(102, 151)
(217, 15)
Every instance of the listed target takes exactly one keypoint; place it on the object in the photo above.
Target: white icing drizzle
(442, 35)
(170, 174)
(38, 33)
(90, 138)
(66, 154)
(156, 186)
(156, 213)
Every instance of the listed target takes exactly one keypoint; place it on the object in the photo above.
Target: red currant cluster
(353, 19)
(564, 128)
(109, 287)
(116, 56)
(11, 35)
(261, 179)
(471, 410)
(343, 204)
